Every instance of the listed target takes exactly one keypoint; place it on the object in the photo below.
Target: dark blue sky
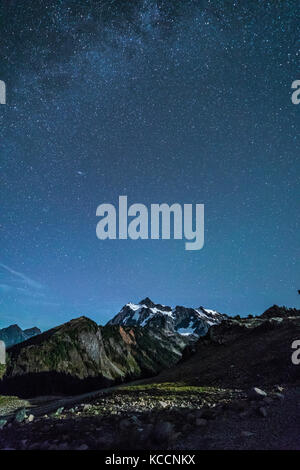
(162, 101)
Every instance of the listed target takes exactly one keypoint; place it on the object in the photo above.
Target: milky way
(162, 101)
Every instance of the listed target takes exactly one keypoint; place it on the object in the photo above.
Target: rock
(44, 445)
(187, 428)
(64, 446)
(86, 407)
(21, 415)
(198, 414)
(124, 424)
(238, 405)
(201, 422)
(257, 394)
(146, 431)
(268, 400)
(209, 414)
(135, 419)
(191, 417)
(3, 422)
(279, 396)
(247, 433)
(163, 431)
(83, 447)
(53, 447)
(34, 446)
(262, 411)
(245, 414)
(30, 418)
(59, 411)
(163, 404)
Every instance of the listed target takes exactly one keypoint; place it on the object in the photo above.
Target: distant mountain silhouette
(13, 334)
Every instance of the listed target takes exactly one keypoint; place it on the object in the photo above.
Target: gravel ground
(156, 419)
(249, 429)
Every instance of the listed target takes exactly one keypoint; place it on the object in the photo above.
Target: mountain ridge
(80, 355)
(13, 334)
(183, 320)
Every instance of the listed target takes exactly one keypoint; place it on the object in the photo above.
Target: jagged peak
(280, 311)
(13, 327)
(183, 320)
(148, 302)
(34, 328)
(209, 310)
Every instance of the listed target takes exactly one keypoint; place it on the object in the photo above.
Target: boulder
(163, 432)
(21, 415)
(201, 422)
(257, 393)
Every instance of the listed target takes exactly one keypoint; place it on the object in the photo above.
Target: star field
(162, 101)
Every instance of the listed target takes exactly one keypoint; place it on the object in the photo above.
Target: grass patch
(170, 388)
(10, 404)
(2, 370)
(7, 400)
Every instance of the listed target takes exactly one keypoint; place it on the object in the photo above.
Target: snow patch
(134, 306)
(211, 312)
(201, 314)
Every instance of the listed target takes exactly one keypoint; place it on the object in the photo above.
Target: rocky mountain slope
(242, 352)
(186, 321)
(280, 312)
(14, 334)
(80, 355)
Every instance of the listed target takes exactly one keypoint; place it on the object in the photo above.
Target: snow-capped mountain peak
(186, 321)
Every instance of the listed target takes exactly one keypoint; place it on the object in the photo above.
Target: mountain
(80, 356)
(280, 312)
(182, 320)
(14, 334)
(242, 353)
(29, 332)
(140, 341)
(234, 388)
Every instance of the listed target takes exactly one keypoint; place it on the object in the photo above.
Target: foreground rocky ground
(163, 416)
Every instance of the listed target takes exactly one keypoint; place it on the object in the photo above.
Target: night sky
(162, 101)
